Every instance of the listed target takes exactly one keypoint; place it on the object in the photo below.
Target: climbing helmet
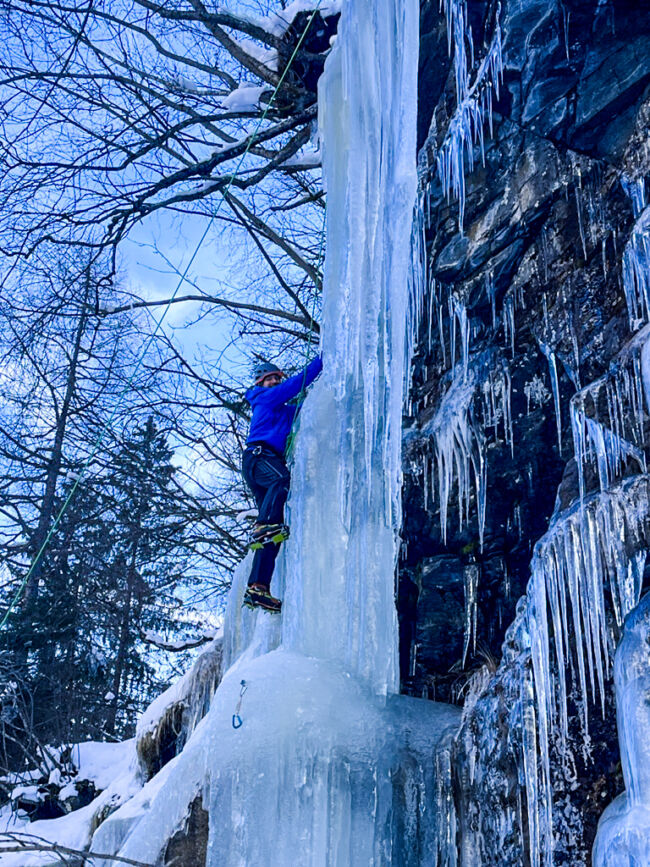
(265, 369)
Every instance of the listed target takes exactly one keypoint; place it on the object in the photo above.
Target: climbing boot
(258, 596)
(267, 534)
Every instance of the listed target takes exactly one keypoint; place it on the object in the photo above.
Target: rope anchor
(237, 721)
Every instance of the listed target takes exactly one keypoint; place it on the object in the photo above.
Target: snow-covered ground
(111, 767)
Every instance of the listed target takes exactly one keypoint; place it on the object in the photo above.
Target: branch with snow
(179, 645)
(19, 842)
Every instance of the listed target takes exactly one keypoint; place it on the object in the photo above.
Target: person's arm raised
(292, 387)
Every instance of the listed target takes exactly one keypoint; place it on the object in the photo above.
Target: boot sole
(254, 605)
(249, 603)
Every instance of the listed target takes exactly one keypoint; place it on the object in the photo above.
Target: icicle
(636, 257)
(447, 854)
(636, 190)
(441, 332)
(555, 387)
(509, 321)
(578, 192)
(613, 442)
(574, 374)
(458, 314)
(470, 578)
(459, 446)
(586, 548)
(529, 750)
(636, 272)
(545, 308)
(536, 393)
(490, 290)
(566, 17)
(458, 435)
(473, 102)
(507, 410)
(622, 837)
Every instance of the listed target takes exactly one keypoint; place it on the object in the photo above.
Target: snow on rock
(101, 762)
(73, 831)
(623, 838)
(112, 766)
(278, 22)
(171, 718)
(120, 824)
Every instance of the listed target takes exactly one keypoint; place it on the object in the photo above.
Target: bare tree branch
(19, 842)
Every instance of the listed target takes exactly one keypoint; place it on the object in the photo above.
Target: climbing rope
(159, 322)
(237, 721)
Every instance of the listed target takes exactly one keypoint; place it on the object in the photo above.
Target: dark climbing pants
(266, 474)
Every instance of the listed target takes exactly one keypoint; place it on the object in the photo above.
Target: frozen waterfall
(337, 572)
(330, 766)
(623, 838)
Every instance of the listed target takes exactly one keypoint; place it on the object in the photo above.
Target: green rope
(159, 322)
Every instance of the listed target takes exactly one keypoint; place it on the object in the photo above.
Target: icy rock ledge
(321, 772)
(623, 838)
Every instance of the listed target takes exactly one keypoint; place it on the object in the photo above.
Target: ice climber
(265, 470)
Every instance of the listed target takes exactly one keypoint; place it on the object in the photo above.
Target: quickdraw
(237, 721)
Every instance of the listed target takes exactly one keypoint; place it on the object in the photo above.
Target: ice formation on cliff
(473, 102)
(623, 838)
(599, 543)
(585, 550)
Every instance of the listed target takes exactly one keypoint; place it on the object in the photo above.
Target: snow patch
(245, 98)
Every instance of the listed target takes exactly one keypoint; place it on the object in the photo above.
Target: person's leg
(267, 477)
(249, 460)
(263, 565)
(270, 473)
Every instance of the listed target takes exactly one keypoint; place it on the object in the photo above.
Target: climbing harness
(237, 721)
(159, 323)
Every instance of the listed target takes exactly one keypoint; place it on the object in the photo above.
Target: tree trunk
(54, 464)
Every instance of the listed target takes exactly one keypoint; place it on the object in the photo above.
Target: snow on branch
(20, 842)
(179, 645)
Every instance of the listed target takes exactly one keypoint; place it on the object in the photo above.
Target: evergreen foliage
(74, 662)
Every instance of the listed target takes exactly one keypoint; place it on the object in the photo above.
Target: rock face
(526, 313)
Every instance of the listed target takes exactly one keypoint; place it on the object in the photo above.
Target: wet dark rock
(312, 44)
(546, 222)
(189, 845)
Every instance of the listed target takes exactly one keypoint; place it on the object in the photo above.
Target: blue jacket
(272, 418)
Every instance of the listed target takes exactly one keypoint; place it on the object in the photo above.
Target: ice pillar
(345, 502)
(623, 838)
